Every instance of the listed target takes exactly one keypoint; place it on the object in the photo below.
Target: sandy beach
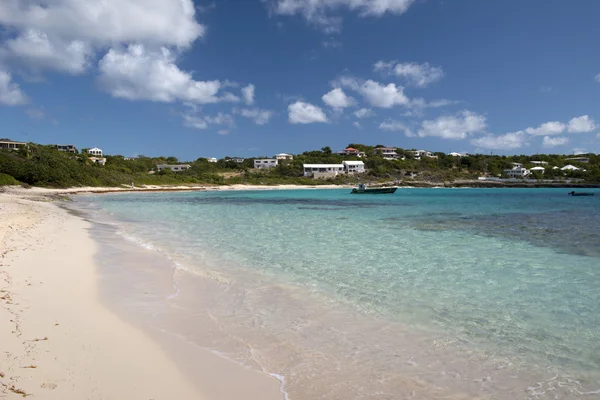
(59, 341)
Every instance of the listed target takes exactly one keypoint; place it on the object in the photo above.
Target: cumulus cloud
(192, 120)
(10, 92)
(548, 128)
(375, 93)
(305, 113)
(457, 126)
(35, 51)
(138, 74)
(508, 141)
(549, 142)
(248, 94)
(321, 13)
(260, 117)
(419, 75)
(364, 113)
(583, 124)
(107, 22)
(336, 98)
(396, 126)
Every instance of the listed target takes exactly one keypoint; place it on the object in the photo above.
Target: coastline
(60, 341)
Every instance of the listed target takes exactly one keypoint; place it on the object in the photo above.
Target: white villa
(174, 168)
(284, 156)
(388, 153)
(96, 152)
(331, 170)
(265, 163)
(211, 160)
(539, 162)
(417, 154)
(517, 172)
(538, 169)
(11, 145)
(570, 168)
(453, 154)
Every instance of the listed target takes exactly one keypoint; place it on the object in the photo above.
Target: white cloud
(396, 126)
(35, 51)
(36, 113)
(509, 141)
(196, 121)
(364, 113)
(548, 128)
(260, 117)
(10, 92)
(583, 124)
(331, 43)
(454, 127)
(319, 12)
(420, 75)
(336, 98)
(305, 113)
(377, 94)
(248, 94)
(107, 22)
(136, 74)
(549, 142)
(357, 125)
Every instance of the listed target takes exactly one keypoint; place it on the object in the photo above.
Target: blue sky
(259, 77)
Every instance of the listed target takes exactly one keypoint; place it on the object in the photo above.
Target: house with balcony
(388, 153)
(354, 167)
(350, 151)
(517, 172)
(96, 152)
(173, 167)
(69, 148)
(284, 156)
(323, 170)
(265, 163)
(11, 144)
(418, 154)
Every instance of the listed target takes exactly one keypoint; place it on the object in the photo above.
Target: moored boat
(362, 189)
(574, 193)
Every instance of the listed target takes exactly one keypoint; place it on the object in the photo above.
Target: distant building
(237, 160)
(174, 168)
(417, 154)
(570, 168)
(539, 162)
(130, 158)
(11, 145)
(98, 160)
(350, 151)
(323, 170)
(265, 163)
(284, 156)
(538, 169)
(453, 154)
(584, 160)
(66, 147)
(211, 160)
(388, 153)
(517, 172)
(354, 167)
(517, 165)
(96, 152)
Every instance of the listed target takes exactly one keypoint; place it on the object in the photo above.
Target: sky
(255, 78)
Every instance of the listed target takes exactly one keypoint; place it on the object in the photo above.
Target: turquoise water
(500, 274)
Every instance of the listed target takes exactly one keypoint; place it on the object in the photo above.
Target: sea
(423, 294)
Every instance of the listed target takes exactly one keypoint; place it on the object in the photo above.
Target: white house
(354, 167)
(569, 168)
(321, 170)
(579, 159)
(539, 162)
(517, 172)
(96, 152)
(417, 154)
(538, 169)
(174, 168)
(454, 154)
(265, 163)
(284, 156)
(211, 160)
(350, 151)
(11, 145)
(388, 153)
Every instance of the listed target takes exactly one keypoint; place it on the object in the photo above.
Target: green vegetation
(41, 165)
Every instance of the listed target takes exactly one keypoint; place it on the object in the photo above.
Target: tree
(326, 150)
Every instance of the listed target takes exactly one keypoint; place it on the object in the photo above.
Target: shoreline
(59, 339)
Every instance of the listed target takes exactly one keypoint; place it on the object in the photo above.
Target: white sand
(58, 341)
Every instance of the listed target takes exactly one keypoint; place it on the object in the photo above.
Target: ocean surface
(424, 294)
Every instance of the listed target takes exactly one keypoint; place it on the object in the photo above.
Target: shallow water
(428, 293)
